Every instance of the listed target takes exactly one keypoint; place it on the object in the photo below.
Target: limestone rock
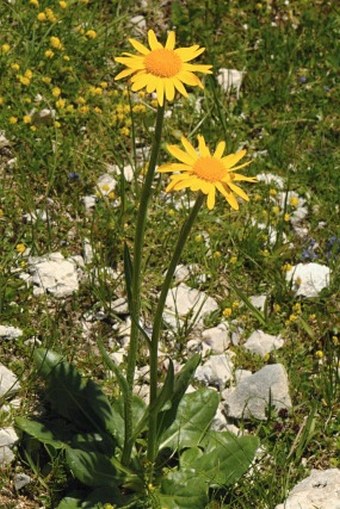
(20, 480)
(216, 371)
(216, 339)
(308, 278)
(258, 301)
(261, 343)
(253, 394)
(8, 382)
(8, 438)
(182, 301)
(9, 332)
(321, 490)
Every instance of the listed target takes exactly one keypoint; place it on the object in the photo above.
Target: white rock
(87, 251)
(261, 343)
(271, 178)
(308, 279)
(258, 301)
(217, 339)
(184, 272)
(321, 490)
(8, 438)
(9, 332)
(53, 274)
(230, 79)
(20, 480)
(106, 184)
(127, 171)
(120, 306)
(8, 382)
(241, 374)
(216, 371)
(183, 300)
(252, 395)
(118, 356)
(32, 217)
(139, 24)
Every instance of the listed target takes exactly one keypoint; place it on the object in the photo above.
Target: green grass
(286, 109)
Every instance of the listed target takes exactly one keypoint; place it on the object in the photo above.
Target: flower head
(163, 69)
(200, 170)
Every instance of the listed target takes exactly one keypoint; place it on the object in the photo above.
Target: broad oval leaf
(39, 431)
(92, 468)
(180, 489)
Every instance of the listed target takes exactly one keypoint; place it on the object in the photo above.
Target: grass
(285, 115)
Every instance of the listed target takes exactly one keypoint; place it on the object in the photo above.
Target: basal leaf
(180, 489)
(39, 431)
(193, 419)
(92, 468)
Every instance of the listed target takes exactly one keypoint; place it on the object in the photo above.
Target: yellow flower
(163, 69)
(49, 53)
(2, 101)
(233, 260)
(41, 17)
(34, 2)
(24, 80)
(13, 120)
(56, 91)
(28, 74)
(286, 267)
(286, 217)
(57, 124)
(294, 201)
(1, 213)
(60, 103)
(56, 43)
(50, 15)
(91, 34)
(272, 192)
(201, 171)
(15, 67)
(276, 210)
(46, 79)
(27, 119)
(227, 312)
(20, 248)
(5, 48)
(319, 354)
(276, 308)
(63, 5)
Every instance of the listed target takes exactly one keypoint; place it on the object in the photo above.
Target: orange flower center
(163, 62)
(209, 168)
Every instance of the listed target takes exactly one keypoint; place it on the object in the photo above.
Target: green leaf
(181, 489)
(256, 312)
(39, 431)
(226, 458)
(92, 468)
(194, 416)
(70, 503)
(128, 275)
(181, 383)
(93, 442)
(80, 401)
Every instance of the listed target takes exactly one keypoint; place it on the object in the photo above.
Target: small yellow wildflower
(124, 131)
(33, 128)
(2, 101)
(56, 91)
(286, 217)
(5, 48)
(46, 79)
(217, 254)
(15, 67)
(13, 120)
(56, 43)
(27, 119)
(235, 304)
(104, 84)
(98, 110)
(1, 213)
(297, 308)
(233, 260)
(294, 201)
(95, 90)
(257, 197)
(28, 74)
(41, 17)
(57, 124)
(63, 5)
(139, 108)
(35, 3)
(84, 109)
(49, 53)
(227, 312)
(265, 253)
(286, 267)
(20, 248)
(198, 238)
(276, 308)
(111, 195)
(335, 340)
(171, 212)
(70, 108)
(266, 357)
(276, 210)
(292, 318)
(80, 100)
(319, 354)
(60, 104)
(24, 80)
(312, 317)
(272, 192)
(91, 34)
(66, 58)
(50, 15)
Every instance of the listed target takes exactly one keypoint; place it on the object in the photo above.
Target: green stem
(157, 325)
(136, 283)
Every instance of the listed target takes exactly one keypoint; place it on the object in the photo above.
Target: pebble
(261, 343)
(9, 332)
(8, 439)
(216, 371)
(20, 480)
(9, 383)
(308, 278)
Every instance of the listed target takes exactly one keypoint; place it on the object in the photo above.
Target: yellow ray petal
(186, 54)
(239, 166)
(238, 177)
(171, 40)
(169, 89)
(139, 81)
(203, 149)
(152, 84)
(211, 198)
(228, 196)
(153, 42)
(179, 86)
(160, 92)
(183, 184)
(139, 46)
(205, 69)
(219, 149)
(230, 160)
(189, 148)
(189, 79)
(170, 167)
(237, 190)
(124, 74)
(179, 154)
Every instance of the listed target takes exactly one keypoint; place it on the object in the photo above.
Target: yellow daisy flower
(163, 69)
(202, 171)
